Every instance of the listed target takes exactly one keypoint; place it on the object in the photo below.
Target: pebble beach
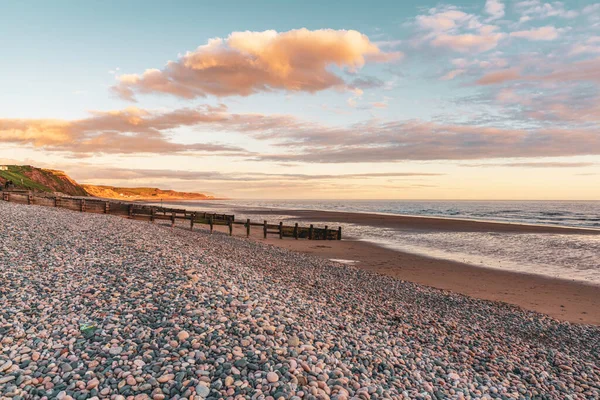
(101, 307)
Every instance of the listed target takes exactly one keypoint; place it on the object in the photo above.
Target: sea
(565, 256)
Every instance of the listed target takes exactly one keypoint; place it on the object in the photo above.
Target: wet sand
(565, 300)
(420, 223)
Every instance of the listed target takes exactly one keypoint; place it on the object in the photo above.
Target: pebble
(182, 336)
(272, 377)
(182, 314)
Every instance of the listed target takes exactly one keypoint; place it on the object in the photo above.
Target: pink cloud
(542, 33)
(502, 76)
(133, 131)
(249, 62)
(494, 8)
(442, 21)
(119, 132)
(468, 42)
(457, 30)
(422, 140)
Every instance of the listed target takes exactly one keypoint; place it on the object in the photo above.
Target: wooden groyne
(155, 213)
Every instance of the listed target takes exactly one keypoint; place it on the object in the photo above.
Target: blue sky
(472, 99)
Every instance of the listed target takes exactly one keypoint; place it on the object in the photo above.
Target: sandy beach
(102, 306)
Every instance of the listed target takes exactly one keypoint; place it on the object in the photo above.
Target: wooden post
(248, 227)
(56, 202)
(230, 223)
(172, 220)
(296, 231)
(131, 211)
(280, 230)
(210, 221)
(265, 229)
(152, 211)
(339, 237)
(29, 199)
(82, 205)
(106, 207)
(310, 232)
(192, 217)
(325, 238)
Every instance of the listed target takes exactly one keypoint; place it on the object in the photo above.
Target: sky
(491, 99)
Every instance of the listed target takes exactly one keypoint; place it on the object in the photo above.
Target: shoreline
(414, 221)
(576, 302)
(424, 223)
(573, 301)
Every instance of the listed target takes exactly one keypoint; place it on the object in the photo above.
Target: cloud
(468, 42)
(94, 172)
(453, 74)
(535, 9)
(590, 46)
(535, 165)
(132, 130)
(247, 62)
(421, 140)
(502, 76)
(580, 71)
(494, 8)
(442, 21)
(290, 139)
(456, 30)
(541, 33)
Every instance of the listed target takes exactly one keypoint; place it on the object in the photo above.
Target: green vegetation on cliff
(40, 180)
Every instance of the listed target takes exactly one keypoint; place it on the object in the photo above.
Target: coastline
(422, 223)
(566, 300)
(572, 301)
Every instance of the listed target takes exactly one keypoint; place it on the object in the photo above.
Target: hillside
(111, 192)
(50, 180)
(40, 179)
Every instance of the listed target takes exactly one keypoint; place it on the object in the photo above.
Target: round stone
(272, 377)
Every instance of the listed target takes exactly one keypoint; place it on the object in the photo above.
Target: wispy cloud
(541, 33)
(94, 172)
(534, 165)
(453, 29)
(128, 131)
(536, 9)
